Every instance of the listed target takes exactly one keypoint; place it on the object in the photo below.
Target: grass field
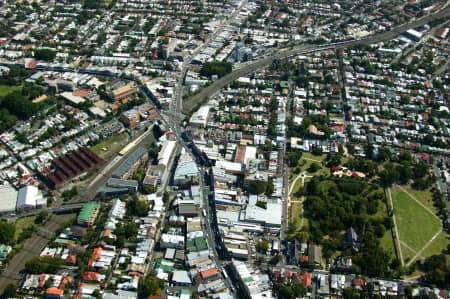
(438, 245)
(415, 224)
(387, 243)
(22, 223)
(423, 196)
(110, 146)
(295, 213)
(5, 89)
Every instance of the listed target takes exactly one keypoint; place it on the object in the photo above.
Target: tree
(45, 264)
(262, 245)
(136, 207)
(150, 286)
(166, 197)
(219, 68)
(149, 189)
(44, 54)
(40, 218)
(316, 151)
(18, 105)
(10, 291)
(436, 271)
(314, 167)
(7, 232)
(275, 259)
(261, 204)
(293, 157)
(270, 187)
(292, 289)
(405, 173)
(256, 187)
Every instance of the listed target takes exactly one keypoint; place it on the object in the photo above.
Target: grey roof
(8, 198)
(118, 183)
(186, 170)
(126, 165)
(181, 277)
(188, 209)
(107, 190)
(121, 294)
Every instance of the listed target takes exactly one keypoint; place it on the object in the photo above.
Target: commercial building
(30, 197)
(88, 214)
(154, 175)
(166, 151)
(119, 90)
(73, 99)
(131, 164)
(181, 278)
(115, 187)
(131, 118)
(269, 217)
(200, 117)
(186, 174)
(188, 210)
(8, 198)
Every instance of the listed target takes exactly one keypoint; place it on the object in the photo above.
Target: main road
(192, 103)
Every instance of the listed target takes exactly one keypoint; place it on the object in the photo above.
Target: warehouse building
(30, 197)
(131, 164)
(8, 198)
(200, 118)
(71, 165)
(115, 187)
(119, 90)
(88, 214)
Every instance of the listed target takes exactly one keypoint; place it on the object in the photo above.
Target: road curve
(192, 103)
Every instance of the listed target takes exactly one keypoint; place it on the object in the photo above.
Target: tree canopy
(45, 54)
(150, 286)
(18, 105)
(7, 231)
(219, 68)
(334, 205)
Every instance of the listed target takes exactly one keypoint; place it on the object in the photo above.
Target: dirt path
(302, 176)
(419, 253)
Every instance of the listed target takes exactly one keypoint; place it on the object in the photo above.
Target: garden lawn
(112, 145)
(437, 246)
(295, 211)
(387, 243)
(22, 223)
(5, 89)
(415, 224)
(423, 196)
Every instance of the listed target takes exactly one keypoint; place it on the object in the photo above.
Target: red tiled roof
(91, 276)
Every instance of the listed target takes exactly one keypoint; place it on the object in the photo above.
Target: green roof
(165, 265)
(87, 211)
(185, 292)
(248, 279)
(196, 244)
(284, 84)
(62, 241)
